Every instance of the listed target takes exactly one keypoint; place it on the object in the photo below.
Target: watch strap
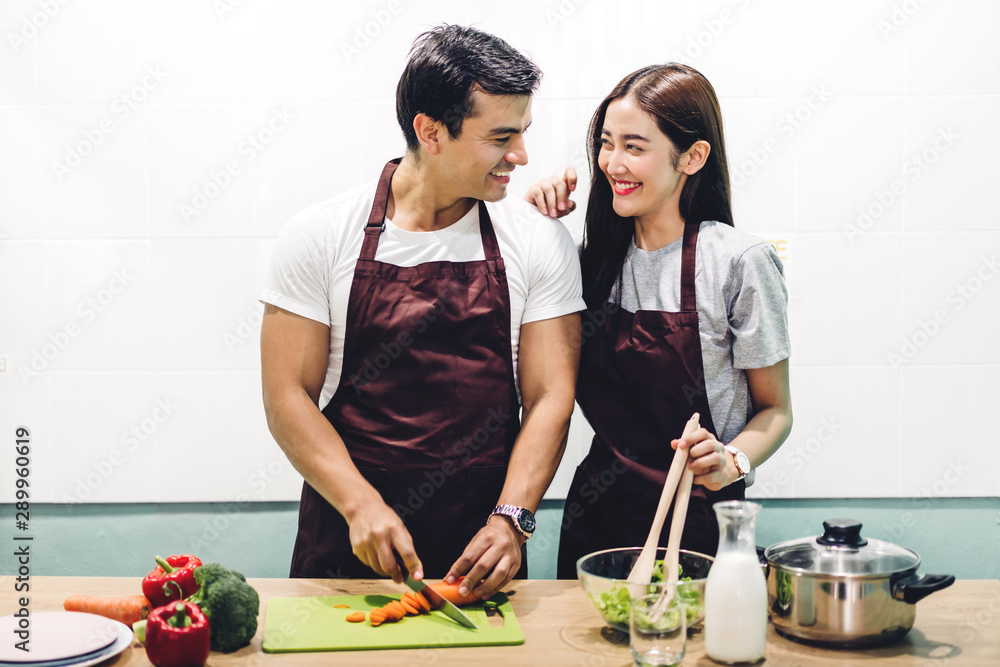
(736, 461)
(513, 512)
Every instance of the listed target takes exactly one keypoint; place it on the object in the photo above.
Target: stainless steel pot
(840, 589)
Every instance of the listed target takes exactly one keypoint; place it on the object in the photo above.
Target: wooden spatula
(642, 571)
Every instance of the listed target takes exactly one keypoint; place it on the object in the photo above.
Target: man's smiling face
(479, 161)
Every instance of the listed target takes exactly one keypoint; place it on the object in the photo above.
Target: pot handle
(913, 588)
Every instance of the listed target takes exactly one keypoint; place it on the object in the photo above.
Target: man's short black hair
(446, 64)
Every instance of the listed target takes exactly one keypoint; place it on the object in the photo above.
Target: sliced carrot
(127, 609)
(383, 615)
(395, 609)
(422, 601)
(356, 617)
(450, 593)
(409, 607)
(341, 606)
(377, 616)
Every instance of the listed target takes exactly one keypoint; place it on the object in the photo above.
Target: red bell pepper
(177, 635)
(178, 569)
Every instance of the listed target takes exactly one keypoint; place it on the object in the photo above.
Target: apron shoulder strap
(376, 219)
(688, 302)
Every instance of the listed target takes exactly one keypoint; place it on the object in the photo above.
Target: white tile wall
(719, 36)
(934, 463)
(863, 136)
(760, 147)
(972, 62)
(203, 168)
(848, 311)
(848, 150)
(944, 136)
(208, 50)
(950, 297)
(101, 289)
(841, 44)
(90, 52)
(95, 171)
(846, 436)
(19, 57)
(203, 292)
(26, 322)
(20, 169)
(105, 438)
(214, 420)
(314, 158)
(299, 50)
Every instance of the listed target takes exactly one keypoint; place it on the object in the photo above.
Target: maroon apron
(641, 378)
(426, 403)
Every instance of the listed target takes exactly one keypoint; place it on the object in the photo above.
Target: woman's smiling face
(639, 161)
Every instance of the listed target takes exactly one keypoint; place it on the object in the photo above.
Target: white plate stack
(63, 639)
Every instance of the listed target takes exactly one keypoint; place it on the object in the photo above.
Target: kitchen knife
(438, 602)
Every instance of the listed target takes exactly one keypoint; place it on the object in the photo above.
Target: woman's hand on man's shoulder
(551, 196)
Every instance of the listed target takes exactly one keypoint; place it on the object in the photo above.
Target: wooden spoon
(671, 562)
(642, 571)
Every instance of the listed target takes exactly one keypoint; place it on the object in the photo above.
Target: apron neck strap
(491, 249)
(687, 266)
(376, 219)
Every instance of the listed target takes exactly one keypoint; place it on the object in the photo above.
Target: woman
(690, 315)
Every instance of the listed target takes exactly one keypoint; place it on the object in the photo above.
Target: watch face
(527, 521)
(743, 462)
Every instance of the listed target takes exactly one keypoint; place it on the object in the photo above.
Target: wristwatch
(523, 520)
(741, 460)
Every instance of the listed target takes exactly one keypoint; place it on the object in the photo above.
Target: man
(398, 321)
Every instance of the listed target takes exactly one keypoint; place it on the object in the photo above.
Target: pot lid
(841, 550)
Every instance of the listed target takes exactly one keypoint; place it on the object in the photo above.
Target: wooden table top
(957, 626)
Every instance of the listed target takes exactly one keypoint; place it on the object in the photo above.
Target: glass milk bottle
(735, 593)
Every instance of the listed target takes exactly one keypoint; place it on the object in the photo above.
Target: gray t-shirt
(742, 310)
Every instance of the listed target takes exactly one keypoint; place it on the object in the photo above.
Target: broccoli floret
(230, 603)
(209, 572)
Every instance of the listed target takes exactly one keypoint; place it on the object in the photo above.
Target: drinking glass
(658, 628)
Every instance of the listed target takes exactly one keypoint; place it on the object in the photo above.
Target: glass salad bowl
(604, 577)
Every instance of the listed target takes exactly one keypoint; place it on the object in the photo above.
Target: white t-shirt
(312, 268)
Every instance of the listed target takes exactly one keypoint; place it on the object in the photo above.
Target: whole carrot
(450, 593)
(127, 609)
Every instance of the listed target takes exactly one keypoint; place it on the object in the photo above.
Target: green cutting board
(314, 624)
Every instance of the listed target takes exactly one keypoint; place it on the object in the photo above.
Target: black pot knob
(842, 533)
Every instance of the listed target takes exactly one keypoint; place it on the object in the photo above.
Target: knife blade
(438, 602)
